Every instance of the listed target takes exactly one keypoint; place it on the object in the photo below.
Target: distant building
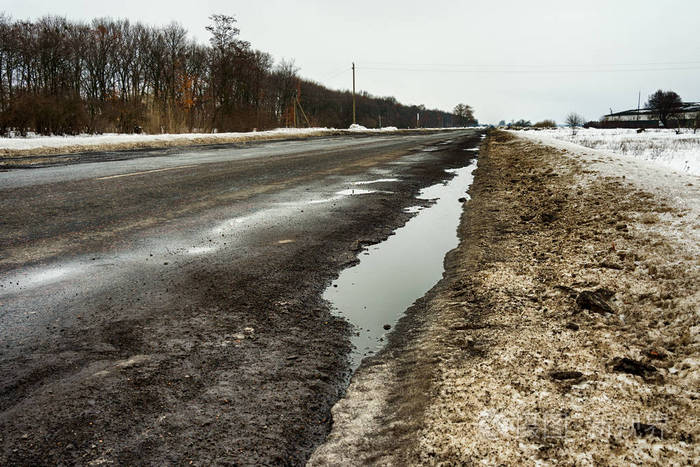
(645, 118)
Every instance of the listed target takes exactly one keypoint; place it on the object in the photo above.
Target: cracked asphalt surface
(165, 306)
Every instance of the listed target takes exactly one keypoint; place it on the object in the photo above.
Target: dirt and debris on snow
(565, 329)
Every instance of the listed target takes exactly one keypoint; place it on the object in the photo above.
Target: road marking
(145, 172)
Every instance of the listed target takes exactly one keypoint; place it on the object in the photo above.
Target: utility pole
(354, 121)
(380, 121)
(639, 103)
(417, 119)
(298, 103)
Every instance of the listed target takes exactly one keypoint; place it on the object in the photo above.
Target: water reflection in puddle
(354, 191)
(48, 275)
(380, 180)
(201, 250)
(401, 269)
(342, 194)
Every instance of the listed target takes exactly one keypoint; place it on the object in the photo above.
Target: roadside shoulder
(565, 329)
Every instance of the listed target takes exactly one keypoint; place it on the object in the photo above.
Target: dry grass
(649, 218)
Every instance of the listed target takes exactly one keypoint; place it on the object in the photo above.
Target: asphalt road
(164, 306)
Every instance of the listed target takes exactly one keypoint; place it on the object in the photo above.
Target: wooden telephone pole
(353, 94)
(298, 103)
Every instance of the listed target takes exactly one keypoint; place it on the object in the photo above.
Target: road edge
(512, 358)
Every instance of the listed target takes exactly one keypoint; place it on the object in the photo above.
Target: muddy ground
(230, 360)
(565, 330)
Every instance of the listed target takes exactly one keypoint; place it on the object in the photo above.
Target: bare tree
(464, 114)
(58, 76)
(573, 121)
(285, 76)
(5, 50)
(545, 124)
(522, 123)
(225, 46)
(664, 104)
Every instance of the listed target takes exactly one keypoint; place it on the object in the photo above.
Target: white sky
(508, 59)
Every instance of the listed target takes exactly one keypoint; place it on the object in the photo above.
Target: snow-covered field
(664, 147)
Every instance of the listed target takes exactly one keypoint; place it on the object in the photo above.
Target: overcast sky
(507, 59)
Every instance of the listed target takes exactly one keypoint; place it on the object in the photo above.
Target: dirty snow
(360, 128)
(107, 141)
(35, 141)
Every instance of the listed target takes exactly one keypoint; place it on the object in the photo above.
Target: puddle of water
(380, 172)
(38, 278)
(381, 180)
(201, 250)
(49, 275)
(396, 272)
(353, 191)
(239, 223)
(324, 200)
(340, 195)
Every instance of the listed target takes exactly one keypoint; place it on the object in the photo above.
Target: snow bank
(660, 146)
(356, 127)
(33, 144)
(37, 142)
(364, 129)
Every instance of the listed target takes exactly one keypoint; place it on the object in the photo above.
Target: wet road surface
(168, 308)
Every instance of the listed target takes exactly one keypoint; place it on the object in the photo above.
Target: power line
(525, 71)
(336, 73)
(520, 65)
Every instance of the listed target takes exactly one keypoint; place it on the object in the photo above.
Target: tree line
(64, 77)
